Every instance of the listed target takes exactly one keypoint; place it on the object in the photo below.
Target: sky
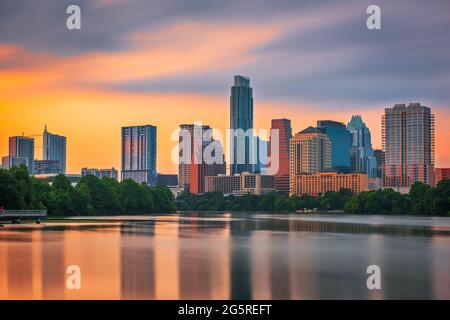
(170, 62)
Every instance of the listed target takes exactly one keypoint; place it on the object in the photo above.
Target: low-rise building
(321, 182)
(239, 184)
(9, 161)
(100, 173)
(441, 174)
(47, 167)
(165, 179)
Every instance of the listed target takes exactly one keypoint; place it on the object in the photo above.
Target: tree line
(91, 196)
(422, 200)
(271, 202)
(106, 196)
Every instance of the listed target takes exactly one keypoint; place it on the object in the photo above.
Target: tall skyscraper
(340, 143)
(54, 148)
(361, 152)
(284, 135)
(408, 143)
(310, 152)
(139, 154)
(241, 117)
(188, 134)
(22, 147)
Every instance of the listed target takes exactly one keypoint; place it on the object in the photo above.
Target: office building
(188, 134)
(8, 162)
(199, 171)
(379, 156)
(47, 167)
(310, 152)
(361, 152)
(340, 143)
(240, 184)
(22, 147)
(243, 145)
(168, 180)
(282, 154)
(441, 174)
(139, 154)
(54, 149)
(408, 143)
(321, 182)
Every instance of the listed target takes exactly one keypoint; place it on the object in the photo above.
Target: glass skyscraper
(139, 154)
(408, 143)
(241, 117)
(54, 149)
(361, 152)
(340, 143)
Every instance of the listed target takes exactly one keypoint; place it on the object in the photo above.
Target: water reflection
(227, 256)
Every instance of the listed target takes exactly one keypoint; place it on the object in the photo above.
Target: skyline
(173, 144)
(126, 69)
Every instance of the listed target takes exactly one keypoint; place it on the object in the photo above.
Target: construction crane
(31, 135)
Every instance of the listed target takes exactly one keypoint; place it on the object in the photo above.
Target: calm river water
(228, 256)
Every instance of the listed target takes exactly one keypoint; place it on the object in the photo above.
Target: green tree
(11, 193)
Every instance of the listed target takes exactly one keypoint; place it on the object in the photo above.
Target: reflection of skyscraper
(137, 263)
(241, 117)
(284, 135)
(22, 147)
(408, 142)
(340, 142)
(139, 154)
(361, 152)
(54, 148)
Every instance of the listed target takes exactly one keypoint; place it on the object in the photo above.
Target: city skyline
(307, 60)
(320, 123)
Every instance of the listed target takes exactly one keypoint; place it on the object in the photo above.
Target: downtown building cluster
(326, 157)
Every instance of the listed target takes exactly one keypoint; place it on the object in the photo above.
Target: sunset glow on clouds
(174, 64)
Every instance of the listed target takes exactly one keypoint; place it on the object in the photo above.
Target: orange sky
(70, 94)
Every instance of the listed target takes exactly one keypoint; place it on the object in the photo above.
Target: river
(227, 256)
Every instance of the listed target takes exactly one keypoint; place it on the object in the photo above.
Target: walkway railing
(23, 213)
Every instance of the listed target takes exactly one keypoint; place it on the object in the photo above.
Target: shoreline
(143, 217)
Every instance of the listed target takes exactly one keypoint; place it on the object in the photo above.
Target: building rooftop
(310, 130)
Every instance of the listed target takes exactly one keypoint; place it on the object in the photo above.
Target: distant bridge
(16, 215)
